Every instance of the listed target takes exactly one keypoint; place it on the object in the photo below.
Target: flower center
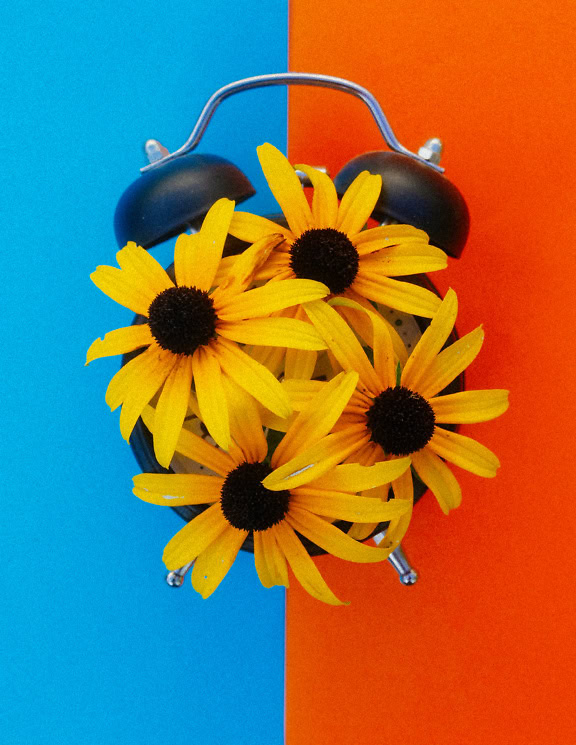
(182, 319)
(246, 504)
(401, 421)
(326, 255)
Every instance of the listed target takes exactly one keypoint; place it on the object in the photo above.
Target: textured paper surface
(481, 649)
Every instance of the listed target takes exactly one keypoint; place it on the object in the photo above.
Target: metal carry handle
(292, 78)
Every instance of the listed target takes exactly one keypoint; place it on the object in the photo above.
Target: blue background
(95, 647)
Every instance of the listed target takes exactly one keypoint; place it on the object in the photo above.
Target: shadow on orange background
(481, 650)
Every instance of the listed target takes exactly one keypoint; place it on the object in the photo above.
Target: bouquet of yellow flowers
(278, 373)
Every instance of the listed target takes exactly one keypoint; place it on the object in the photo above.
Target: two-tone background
(95, 648)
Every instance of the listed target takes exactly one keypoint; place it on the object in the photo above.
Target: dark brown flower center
(326, 255)
(246, 504)
(401, 421)
(182, 319)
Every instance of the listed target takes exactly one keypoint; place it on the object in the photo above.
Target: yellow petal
(194, 447)
(331, 539)
(464, 452)
(358, 203)
(367, 455)
(317, 418)
(197, 257)
(302, 565)
(187, 260)
(387, 235)
(245, 423)
(225, 269)
(193, 407)
(270, 298)
(403, 490)
(129, 375)
(172, 489)
(253, 378)
(141, 392)
(122, 288)
(384, 356)
(213, 563)
(271, 421)
(211, 395)
(394, 233)
(352, 477)
(286, 187)
(450, 363)
(301, 391)
(277, 264)
(120, 341)
(271, 357)
(316, 460)
(197, 449)
(400, 351)
(362, 326)
(211, 240)
(252, 228)
(350, 194)
(385, 360)
(136, 383)
(263, 568)
(406, 259)
(469, 406)
(171, 409)
(361, 531)
(339, 506)
(275, 558)
(143, 269)
(269, 560)
(403, 296)
(438, 478)
(273, 332)
(342, 343)
(430, 343)
(325, 199)
(356, 319)
(300, 363)
(195, 537)
(245, 266)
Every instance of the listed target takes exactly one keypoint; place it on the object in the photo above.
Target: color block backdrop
(481, 650)
(95, 648)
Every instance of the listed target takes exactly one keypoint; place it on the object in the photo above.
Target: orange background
(482, 649)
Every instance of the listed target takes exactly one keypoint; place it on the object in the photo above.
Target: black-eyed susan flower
(298, 489)
(395, 415)
(192, 329)
(327, 241)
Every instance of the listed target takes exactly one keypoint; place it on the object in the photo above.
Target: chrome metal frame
(291, 78)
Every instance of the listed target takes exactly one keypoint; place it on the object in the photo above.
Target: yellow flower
(327, 242)
(391, 418)
(300, 490)
(192, 329)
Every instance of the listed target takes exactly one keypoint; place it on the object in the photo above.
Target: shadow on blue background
(96, 648)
